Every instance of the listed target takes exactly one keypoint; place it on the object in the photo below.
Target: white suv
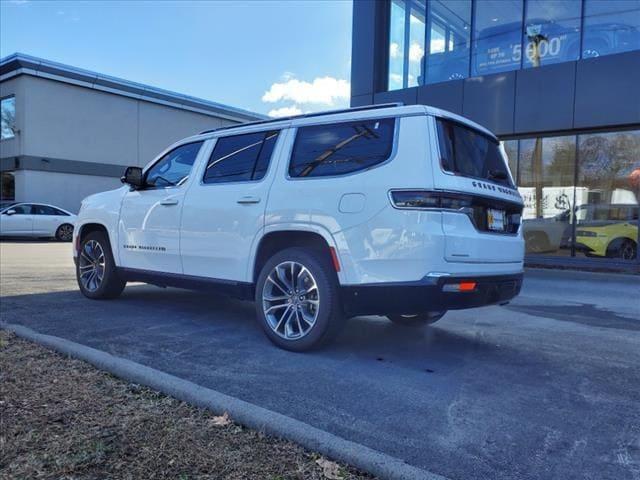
(402, 211)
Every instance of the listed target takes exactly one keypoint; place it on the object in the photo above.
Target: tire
(417, 320)
(64, 233)
(95, 251)
(628, 250)
(310, 319)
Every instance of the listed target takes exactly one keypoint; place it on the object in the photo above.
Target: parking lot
(546, 387)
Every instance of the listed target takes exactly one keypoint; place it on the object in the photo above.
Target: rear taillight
(429, 199)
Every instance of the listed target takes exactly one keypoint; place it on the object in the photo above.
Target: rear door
(46, 220)
(224, 209)
(484, 226)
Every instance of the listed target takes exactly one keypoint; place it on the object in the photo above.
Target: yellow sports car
(614, 240)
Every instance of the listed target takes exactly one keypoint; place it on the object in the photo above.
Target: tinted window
(610, 26)
(43, 210)
(21, 209)
(471, 153)
(240, 158)
(323, 150)
(174, 167)
(497, 37)
(552, 32)
(448, 40)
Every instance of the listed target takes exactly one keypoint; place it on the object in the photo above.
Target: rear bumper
(427, 295)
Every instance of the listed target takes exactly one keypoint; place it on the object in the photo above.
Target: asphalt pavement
(547, 387)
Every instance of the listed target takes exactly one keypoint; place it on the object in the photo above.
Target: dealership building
(67, 133)
(558, 81)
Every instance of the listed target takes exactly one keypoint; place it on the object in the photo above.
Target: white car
(402, 211)
(37, 220)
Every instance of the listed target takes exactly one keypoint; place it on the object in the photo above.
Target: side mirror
(133, 176)
(10, 212)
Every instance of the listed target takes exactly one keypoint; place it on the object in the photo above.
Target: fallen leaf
(221, 421)
(330, 470)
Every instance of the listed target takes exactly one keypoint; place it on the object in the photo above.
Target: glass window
(323, 150)
(471, 153)
(7, 187)
(552, 32)
(43, 210)
(7, 118)
(449, 33)
(396, 45)
(497, 37)
(416, 44)
(23, 209)
(174, 167)
(511, 150)
(240, 158)
(608, 195)
(546, 183)
(610, 26)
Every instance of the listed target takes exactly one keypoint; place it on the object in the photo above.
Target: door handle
(248, 200)
(167, 202)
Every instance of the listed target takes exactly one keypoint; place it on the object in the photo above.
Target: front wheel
(297, 300)
(96, 270)
(417, 320)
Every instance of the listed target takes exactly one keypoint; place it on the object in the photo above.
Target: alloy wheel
(290, 300)
(91, 265)
(65, 232)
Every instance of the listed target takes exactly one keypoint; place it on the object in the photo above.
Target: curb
(247, 414)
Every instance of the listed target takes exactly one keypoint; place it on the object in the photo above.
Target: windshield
(471, 153)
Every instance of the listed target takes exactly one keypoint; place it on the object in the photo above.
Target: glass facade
(434, 41)
(581, 194)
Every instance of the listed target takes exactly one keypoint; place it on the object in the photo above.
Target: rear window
(338, 149)
(471, 153)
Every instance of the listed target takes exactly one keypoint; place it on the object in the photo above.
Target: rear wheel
(297, 300)
(628, 250)
(96, 270)
(417, 320)
(64, 233)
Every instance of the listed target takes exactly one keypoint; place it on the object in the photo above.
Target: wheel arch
(81, 231)
(276, 240)
(616, 242)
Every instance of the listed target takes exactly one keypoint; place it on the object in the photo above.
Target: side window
(338, 149)
(174, 167)
(43, 210)
(240, 158)
(22, 209)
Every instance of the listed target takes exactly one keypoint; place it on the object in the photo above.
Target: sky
(271, 57)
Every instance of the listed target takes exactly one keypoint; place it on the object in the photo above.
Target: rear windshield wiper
(498, 174)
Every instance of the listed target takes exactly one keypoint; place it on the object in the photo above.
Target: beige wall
(70, 122)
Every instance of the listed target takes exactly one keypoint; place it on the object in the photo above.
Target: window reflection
(449, 33)
(609, 186)
(610, 26)
(416, 44)
(8, 118)
(396, 45)
(546, 171)
(497, 39)
(552, 32)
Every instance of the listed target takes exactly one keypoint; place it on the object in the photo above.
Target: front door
(149, 227)
(17, 220)
(224, 210)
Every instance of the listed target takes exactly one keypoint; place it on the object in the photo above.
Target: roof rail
(306, 115)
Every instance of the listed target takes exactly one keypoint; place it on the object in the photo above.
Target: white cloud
(322, 90)
(285, 111)
(416, 52)
(394, 50)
